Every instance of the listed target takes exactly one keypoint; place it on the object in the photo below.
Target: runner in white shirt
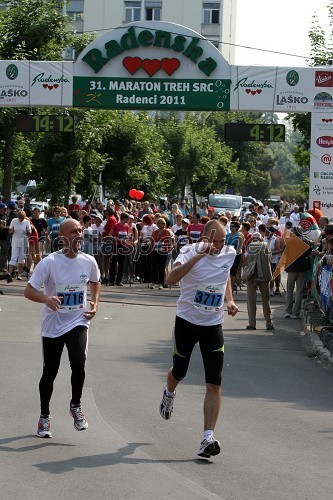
(20, 229)
(204, 271)
(66, 276)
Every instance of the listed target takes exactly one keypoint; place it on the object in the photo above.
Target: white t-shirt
(67, 278)
(202, 290)
(20, 236)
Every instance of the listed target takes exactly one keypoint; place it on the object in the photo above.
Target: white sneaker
(271, 293)
(287, 315)
(19, 277)
(209, 447)
(294, 316)
(80, 422)
(166, 406)
(44, 427)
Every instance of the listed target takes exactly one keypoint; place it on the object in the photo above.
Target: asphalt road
(275, 426)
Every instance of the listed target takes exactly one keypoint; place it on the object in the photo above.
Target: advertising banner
(325, 285)
(155, 65)
(283, 90)
(36, 83)
(321, 163)
(51, 83)
(14, 83)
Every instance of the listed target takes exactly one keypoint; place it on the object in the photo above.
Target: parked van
(226, 202)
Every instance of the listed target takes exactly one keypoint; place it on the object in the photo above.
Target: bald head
(214, 232)
(70, 232)
(67, 225)
(213, 226)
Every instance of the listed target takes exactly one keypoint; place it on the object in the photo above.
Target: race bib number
(73, 297)
(55, 228)
(208, 297)
(195, 235)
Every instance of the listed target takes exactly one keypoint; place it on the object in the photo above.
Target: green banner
(122, 93)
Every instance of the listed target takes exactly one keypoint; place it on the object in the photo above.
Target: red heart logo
(247, 91)
(50, 87)
(259, 91)
(253, 92)
(55, 85)
(45, 85)
(151, 66)
(170, 65)
(132, 64)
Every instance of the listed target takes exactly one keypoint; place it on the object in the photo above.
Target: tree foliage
(321, 55)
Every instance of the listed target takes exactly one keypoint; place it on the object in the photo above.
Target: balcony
(208, 30)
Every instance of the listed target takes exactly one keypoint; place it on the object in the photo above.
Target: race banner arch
(164, 66)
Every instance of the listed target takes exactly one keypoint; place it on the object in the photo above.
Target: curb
(317, 346)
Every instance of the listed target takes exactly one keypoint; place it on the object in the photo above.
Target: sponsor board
(156, 65)
(14, 83)
(321, 179)
(51, 83)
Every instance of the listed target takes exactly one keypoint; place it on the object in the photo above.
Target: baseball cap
(270, 211)
(211, 208)
(11, 204)
(186, 220)
(3, 205)
(131, 217)
(97, 216)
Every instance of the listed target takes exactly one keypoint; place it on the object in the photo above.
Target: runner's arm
(94, 289)
(35, 295)
(231, 306)
(180, 270)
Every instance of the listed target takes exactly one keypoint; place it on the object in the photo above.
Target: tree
(199, 160)
(30, 30)
(135, 155)
(253, 158)
(321, 54)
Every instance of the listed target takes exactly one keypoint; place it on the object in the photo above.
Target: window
(211, 13)
(132, 11)
(75, 6)
(153, 11)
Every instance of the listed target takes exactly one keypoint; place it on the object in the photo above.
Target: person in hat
(276, 245)
(259, 251)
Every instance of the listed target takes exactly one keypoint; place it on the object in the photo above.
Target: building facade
(215, 20)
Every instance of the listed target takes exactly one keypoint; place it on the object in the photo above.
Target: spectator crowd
(138, 241)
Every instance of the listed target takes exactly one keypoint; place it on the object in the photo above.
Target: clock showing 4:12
(273, 132)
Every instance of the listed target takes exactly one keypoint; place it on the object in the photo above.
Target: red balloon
(133, 193)
(140, 194)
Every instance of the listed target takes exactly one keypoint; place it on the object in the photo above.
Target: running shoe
(287, 315)
(166, 406)
(44, 427)
(19, 277)
(9, 278)
(209, 447)
(80, 422)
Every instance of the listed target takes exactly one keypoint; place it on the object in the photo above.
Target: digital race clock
(45, 123)
(254, 132)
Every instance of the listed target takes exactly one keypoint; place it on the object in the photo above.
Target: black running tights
(76, 343)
